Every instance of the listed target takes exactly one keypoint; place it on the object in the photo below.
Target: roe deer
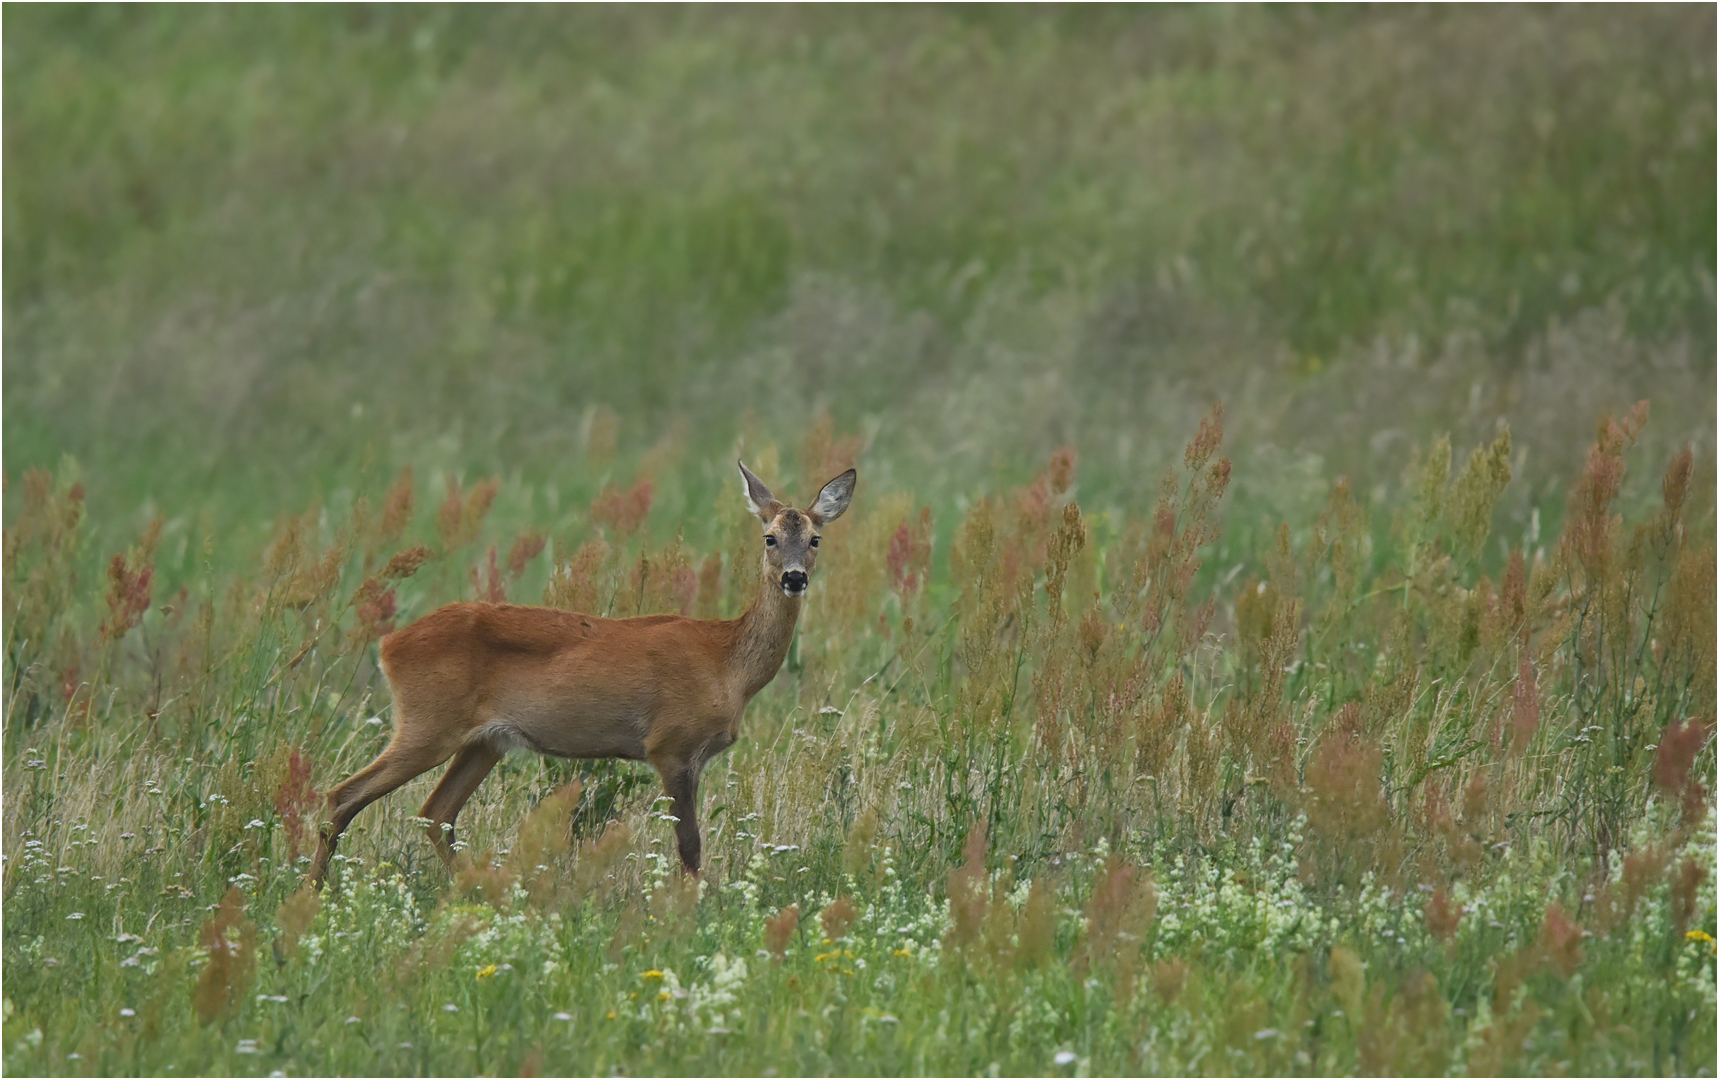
(472, 681)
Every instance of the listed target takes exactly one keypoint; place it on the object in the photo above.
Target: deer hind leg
(400, 761)
(471, 765)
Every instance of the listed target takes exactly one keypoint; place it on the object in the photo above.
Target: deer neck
(766, 630)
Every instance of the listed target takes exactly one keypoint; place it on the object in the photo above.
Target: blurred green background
(254, 254)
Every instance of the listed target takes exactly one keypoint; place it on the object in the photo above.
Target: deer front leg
(680, 783)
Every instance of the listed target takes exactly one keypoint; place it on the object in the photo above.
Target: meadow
(1274, 632)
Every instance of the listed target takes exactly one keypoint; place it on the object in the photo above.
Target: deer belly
(568, 713)
(614, 739)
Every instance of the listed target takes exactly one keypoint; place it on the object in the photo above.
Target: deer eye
(814, 541)
(769, 541)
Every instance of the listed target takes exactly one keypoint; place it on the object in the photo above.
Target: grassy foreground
(1122, 733)
(1029, 796)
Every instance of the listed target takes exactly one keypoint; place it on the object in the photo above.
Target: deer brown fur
(472, 681)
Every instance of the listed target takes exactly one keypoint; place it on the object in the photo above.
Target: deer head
(790, 535)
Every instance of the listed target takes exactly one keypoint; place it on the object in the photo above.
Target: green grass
(1367, 812)
(1311, 739)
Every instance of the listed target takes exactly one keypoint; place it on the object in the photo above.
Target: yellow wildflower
(486, 972)
(1699, 935)
(652, 974)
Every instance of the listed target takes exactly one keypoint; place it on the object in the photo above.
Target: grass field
(1274, 632)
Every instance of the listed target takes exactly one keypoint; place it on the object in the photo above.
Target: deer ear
(758, 497)
(833, 500)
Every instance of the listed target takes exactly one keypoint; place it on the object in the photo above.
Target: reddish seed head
(487, 581)
(230, 939)
(127, 598)
(527, 547)
(837, 917)
(296, 801)
(1588, 533)
(405, 563)
(623, 511)
(1062, 470)
(968, 896)
(896, 558)
(458, 518)
(1168, 979)
(1642, 871)
(1685, 894)
(1678, 750)
(374, 608)
(779, 931)
(1206, 441)
(448, 515)
(1561, 940)
(1442, 916)
(482, 498)
(1676, 753)
(909, 554)
(397, 506)
(1676, 483)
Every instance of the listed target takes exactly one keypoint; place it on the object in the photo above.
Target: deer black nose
(794, 582)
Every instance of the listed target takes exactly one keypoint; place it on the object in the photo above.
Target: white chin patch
(793, 592)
